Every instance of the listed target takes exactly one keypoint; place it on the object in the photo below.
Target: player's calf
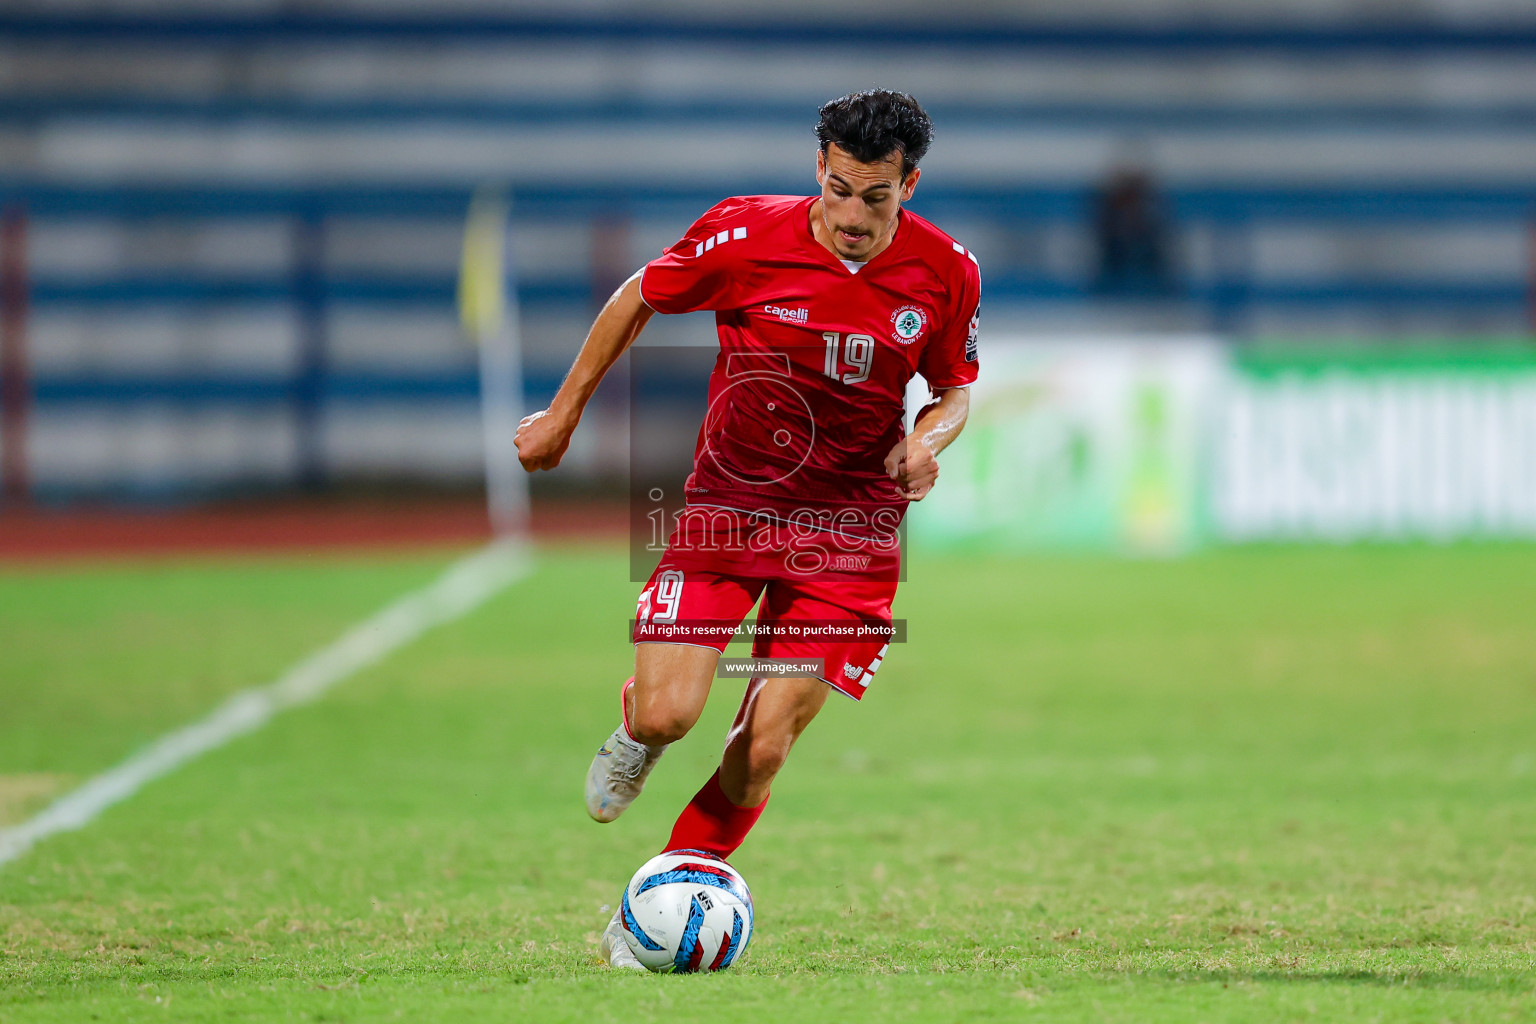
(773, 714)
(749, 766)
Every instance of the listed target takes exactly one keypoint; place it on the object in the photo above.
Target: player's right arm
(543, 437)
(699, 272)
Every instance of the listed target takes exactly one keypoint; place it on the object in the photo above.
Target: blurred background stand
(15, 385)
(232, 264)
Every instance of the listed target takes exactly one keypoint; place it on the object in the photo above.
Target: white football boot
(615, 949)
(618, 772)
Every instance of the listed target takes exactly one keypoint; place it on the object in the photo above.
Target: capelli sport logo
(794, 316)
(908, 324)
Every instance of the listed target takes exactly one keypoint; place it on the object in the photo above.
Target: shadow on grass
(1462, 980)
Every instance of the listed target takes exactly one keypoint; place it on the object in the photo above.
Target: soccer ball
(687, 910)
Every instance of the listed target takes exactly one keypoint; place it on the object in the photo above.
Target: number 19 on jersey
(859, 353)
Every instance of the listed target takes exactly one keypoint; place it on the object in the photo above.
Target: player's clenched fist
(542, 440)
(913, 466)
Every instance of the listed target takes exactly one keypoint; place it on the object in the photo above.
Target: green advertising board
(1086, 444)
(1154, 446)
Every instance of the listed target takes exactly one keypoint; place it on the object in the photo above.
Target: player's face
(861, 202)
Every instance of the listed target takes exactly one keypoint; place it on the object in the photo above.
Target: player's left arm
(914, 462)
(948, 363)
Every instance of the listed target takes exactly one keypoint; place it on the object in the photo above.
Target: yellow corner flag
(482, 273)
(488, 311)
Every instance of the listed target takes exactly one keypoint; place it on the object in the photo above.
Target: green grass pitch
(1258, 784)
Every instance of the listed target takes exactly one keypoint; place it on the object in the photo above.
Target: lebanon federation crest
(908, 324)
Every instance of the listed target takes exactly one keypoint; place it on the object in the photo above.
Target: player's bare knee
(655, 724)
(671, 687)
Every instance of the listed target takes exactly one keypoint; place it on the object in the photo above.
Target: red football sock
(629, 684)
(712, 823)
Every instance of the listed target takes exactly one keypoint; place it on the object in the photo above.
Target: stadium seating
(247, 227)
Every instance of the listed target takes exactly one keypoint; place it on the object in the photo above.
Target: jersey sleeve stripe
(963, 251)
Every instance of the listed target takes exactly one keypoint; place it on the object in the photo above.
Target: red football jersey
(808, 391)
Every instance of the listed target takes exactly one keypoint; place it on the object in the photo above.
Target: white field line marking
(464, 586)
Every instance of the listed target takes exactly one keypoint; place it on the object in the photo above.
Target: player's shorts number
(667, 593)
(859, 353)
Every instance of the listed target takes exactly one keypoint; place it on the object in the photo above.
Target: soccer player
(826, 306)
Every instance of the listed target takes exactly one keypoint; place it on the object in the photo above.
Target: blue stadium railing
(1214, 117)
(1402, 34)
(566, 292)
(1377, 201)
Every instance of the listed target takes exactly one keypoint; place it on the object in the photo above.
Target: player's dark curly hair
(873, 124)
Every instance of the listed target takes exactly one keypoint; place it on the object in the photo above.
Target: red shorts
(824, 596)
